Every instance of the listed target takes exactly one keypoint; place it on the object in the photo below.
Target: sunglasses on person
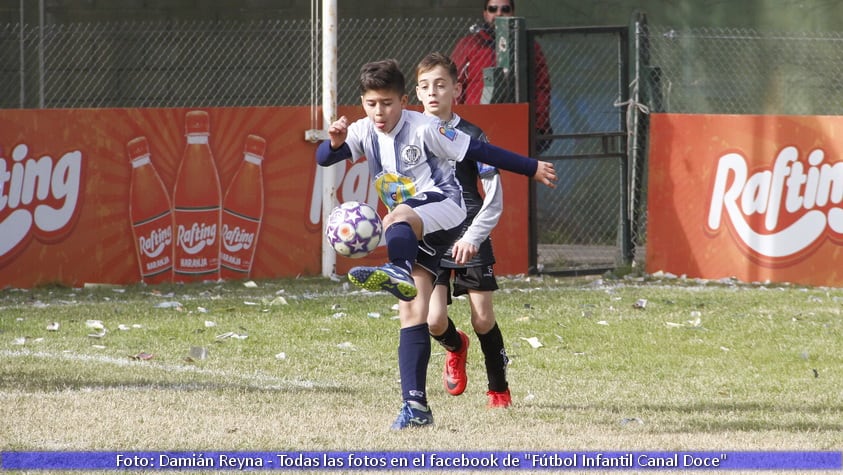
(494, 8)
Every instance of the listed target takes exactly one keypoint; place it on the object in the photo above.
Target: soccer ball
(354, 229)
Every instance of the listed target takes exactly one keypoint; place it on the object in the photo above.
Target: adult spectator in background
(476, 51)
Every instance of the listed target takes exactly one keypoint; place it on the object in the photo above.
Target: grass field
(310, 364)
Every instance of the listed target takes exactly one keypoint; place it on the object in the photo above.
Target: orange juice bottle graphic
(242, 211)
(151, 216)
(196, 206)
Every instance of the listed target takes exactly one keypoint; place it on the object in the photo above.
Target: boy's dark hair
(435, 59)
(382, 75)
(511, 2)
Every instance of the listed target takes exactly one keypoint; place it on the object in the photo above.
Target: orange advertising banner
(157, 195)
(757, 198)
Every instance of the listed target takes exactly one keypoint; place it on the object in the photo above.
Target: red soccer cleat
(499, 399)
(454, 375)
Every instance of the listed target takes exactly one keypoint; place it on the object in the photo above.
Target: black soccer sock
(450, 340)
(496, 360)
(402, 246)
(413, 358)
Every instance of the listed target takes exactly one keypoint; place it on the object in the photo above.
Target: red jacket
(475, 52)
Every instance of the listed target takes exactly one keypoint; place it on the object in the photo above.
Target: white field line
(256, 379)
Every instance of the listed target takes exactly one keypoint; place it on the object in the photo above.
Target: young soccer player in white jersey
(409, 158)
(470, 260)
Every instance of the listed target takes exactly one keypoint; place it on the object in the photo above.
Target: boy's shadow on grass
(718, 416)
(34, 384)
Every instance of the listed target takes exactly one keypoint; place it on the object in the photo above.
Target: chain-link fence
(202, 64)
(727, 71)
(580, 225)
(704, 70)
(173, 64)
(600, 92)
(743, 71)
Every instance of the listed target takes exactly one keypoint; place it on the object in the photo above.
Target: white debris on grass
(209, 324)
(98, 285)
(53, 327)
(231, 335)
(169, 304)
(281, 356)
(533, 341)
(250, 284)
(276, 301)
(695, 322)
(347, 345)
(198, 353)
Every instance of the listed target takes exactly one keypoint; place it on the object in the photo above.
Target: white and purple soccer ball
(354, 229)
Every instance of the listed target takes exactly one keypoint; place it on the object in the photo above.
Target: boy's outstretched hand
(545, 173)
(338, 131)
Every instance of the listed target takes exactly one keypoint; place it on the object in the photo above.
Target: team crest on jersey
(449, 132)
(411, 154)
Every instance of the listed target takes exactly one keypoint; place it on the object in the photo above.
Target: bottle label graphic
(196, 206)
(151, 216)
(242, 213)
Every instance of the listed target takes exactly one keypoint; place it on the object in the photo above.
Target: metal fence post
(329, 114)
(22, 39)
(41, 73)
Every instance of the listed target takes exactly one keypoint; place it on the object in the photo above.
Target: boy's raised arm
(334, 150)
(338, 131)
(542, 172)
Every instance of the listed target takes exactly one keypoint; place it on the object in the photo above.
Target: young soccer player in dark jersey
(410, 161)
(470, 260)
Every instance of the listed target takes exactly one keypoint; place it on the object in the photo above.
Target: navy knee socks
(402, 245)
(413, 358)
